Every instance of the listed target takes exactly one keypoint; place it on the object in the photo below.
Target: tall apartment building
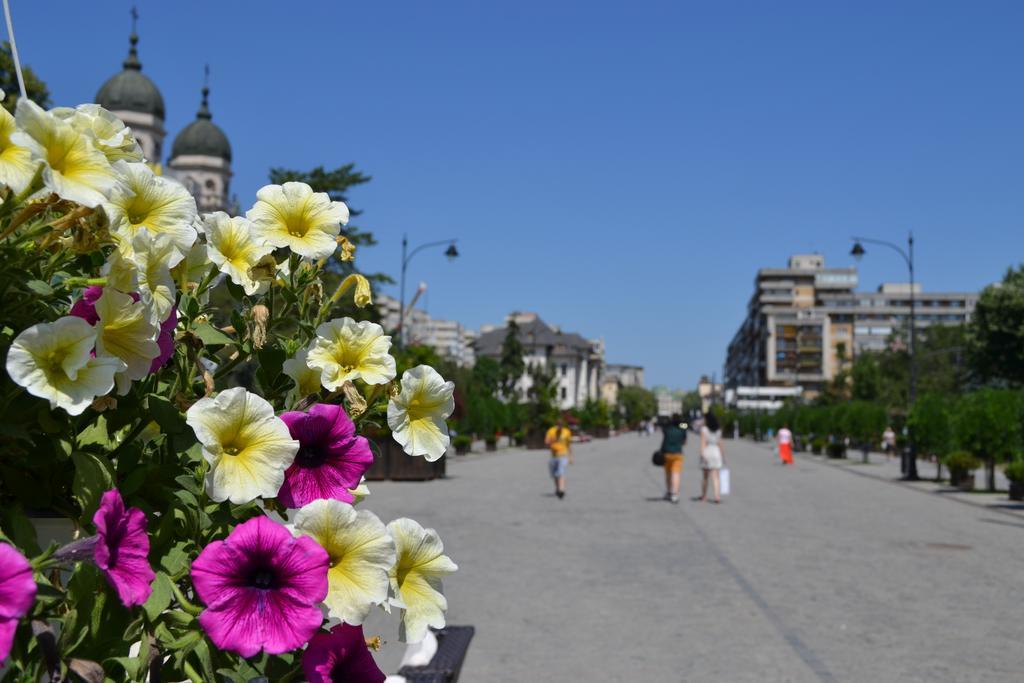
(577, 362)
(447, 337)
(806, 321)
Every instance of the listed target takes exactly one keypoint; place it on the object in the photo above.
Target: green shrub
(818, 445)
(1015, 470)
(961, 462)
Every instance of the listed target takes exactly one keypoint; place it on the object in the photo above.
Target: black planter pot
(963, 480)
(462, 449)
(602, 432)
(1017, 490)
(491, 446)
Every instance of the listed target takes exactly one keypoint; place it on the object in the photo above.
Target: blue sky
(620, 168)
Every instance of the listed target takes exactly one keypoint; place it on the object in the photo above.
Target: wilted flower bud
(356, 402)
(348, 250)
(258, 325)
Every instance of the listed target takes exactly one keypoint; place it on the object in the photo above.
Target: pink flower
(17, 593)
(340, 655)
(331, 457)
(122, 550)
(262, 587)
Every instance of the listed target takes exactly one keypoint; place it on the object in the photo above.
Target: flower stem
(186, 605)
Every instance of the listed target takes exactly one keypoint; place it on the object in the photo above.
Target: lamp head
(858, 251)
(451, 252)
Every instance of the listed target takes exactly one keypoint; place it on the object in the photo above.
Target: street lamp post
(451, 252)
(909, 460)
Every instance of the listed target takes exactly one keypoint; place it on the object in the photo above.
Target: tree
(988, 425)
(36, 88)
(863, 422)
(867, 378)
(637, 404)
(512, 364)
(692, 401)
(931, 427)
(996, 335)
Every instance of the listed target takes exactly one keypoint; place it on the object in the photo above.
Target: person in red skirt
(784, 440)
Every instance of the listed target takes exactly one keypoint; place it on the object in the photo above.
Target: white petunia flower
(153, 257)
(107, 132)
(235, 248)
(247, 446)
(52, 361)
(346, 350)
(293, 216)
(416, 578)
(307, 379)
(16, 165)
(417, 414)
(75, 170)
(361, 555)
(146, 200)
(126, 330)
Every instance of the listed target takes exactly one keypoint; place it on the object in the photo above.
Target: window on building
(565, 369)
(565, 392)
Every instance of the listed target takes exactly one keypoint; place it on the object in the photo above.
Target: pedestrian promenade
(804, 573)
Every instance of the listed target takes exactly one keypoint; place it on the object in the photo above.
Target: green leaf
(166, 414)
(94, 476)
(175, 562)
(205, 660)
(211, 336)
(39, 287)
(95, 434)
(188, 482)
(96, 621)
(160, 598)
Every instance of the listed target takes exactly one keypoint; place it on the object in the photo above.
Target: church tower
(201, 159)
(134, 99)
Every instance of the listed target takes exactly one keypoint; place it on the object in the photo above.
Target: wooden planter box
(462, 449)
(535, 439)
(391, 462)
(602, 432)
(490, 446)
(962, 480)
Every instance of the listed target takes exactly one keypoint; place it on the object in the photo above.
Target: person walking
(559, 440)
(672, 442)
(712, 458)
(784, 440)
(889, 442)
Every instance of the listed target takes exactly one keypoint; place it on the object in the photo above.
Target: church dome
(202, 136)
(130, 90)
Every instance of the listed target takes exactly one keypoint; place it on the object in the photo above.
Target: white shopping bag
(723, 478)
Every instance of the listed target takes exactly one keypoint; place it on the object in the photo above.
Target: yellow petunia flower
(52, 361)
(247, 447)
(235, 248)
(417, 414)
(346, 350)
(16, 165)
(146, 200)
(361, 555)
(127, 330)
(293, 216)
(75, 170)
(107, 132)
(416, 578)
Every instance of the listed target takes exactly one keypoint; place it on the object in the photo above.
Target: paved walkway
(805, 573)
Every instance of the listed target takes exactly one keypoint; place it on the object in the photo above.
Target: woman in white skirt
(711, 456)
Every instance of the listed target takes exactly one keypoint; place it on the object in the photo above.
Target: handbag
(724, 481)
(658, 459)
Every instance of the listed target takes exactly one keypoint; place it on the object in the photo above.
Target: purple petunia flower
(17, 593)
(331, 457)
(340, 655)
(122, 551)
(165, 341)
(262, 587)
(85, 308)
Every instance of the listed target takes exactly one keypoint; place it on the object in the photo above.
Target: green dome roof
(130, 90)
(202, 136)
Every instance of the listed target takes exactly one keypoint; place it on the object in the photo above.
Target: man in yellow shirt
(559, 440)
